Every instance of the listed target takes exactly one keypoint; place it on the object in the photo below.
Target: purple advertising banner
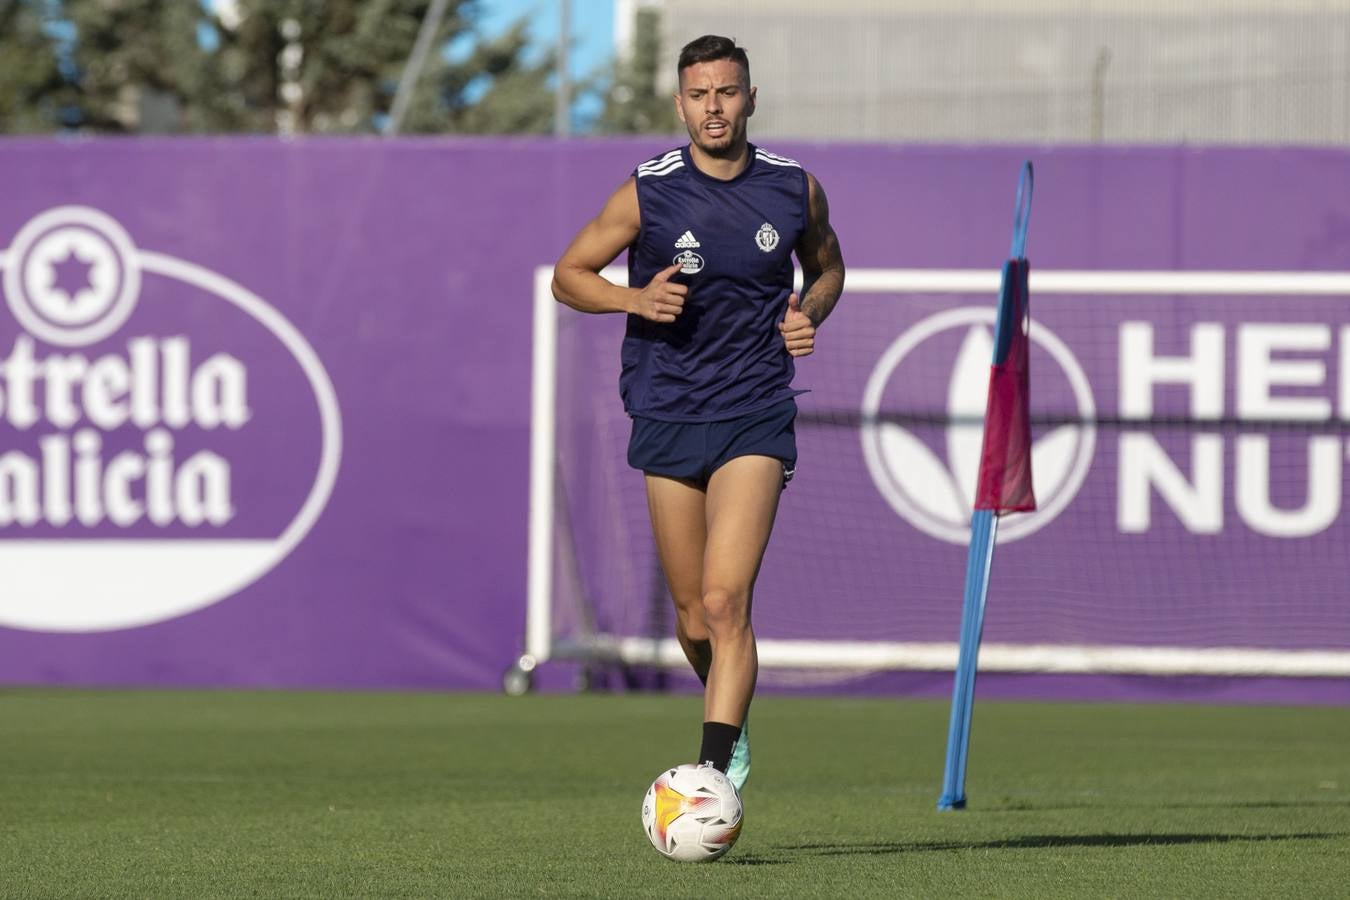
(265, 406)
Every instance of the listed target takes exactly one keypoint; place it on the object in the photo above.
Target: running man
(713, 327)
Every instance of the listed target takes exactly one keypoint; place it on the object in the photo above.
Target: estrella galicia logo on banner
(166, 435)
(927, 470)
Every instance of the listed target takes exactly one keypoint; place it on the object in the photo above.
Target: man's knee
(725, 610)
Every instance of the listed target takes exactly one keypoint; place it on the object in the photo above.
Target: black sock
(719, 739)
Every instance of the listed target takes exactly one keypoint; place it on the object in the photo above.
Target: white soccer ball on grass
(692, 814)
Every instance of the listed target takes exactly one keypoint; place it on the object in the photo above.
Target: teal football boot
(738, 772)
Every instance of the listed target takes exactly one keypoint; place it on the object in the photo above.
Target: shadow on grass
(752, 860)
(1258, 804)
(1017, 806)
(1043, 841)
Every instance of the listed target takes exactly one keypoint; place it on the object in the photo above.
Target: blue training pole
(983, 529)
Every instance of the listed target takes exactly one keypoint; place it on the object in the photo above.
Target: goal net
(1189, 444)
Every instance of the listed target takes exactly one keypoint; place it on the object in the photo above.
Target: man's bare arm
(577, 280)
(821, 260)
(822, 271)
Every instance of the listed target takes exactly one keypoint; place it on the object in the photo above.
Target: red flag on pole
(1005, 460)
(1004, 483)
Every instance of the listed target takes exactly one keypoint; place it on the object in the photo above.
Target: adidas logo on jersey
(687, 241)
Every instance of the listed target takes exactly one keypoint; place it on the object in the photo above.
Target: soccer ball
(692, 814)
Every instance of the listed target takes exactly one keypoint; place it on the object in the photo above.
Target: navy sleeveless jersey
(723, 356)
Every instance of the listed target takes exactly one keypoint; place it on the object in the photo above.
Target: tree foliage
(137, 65)
(31, 84)
(303, 66)
(635, 103)
(492, 90)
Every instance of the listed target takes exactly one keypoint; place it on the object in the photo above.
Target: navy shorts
(694, 450)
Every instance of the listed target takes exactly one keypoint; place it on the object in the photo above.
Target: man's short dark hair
(710, 48)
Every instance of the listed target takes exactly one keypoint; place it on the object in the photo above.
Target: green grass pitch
(262, 794)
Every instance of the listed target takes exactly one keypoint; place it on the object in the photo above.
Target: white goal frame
(540, 645)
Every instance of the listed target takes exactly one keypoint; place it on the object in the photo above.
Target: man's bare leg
(742, 501)
(711, 545)
(679, 524)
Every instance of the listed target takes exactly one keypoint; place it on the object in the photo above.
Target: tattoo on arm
(820, 257)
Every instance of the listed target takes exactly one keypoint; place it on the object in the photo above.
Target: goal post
(594, 594)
